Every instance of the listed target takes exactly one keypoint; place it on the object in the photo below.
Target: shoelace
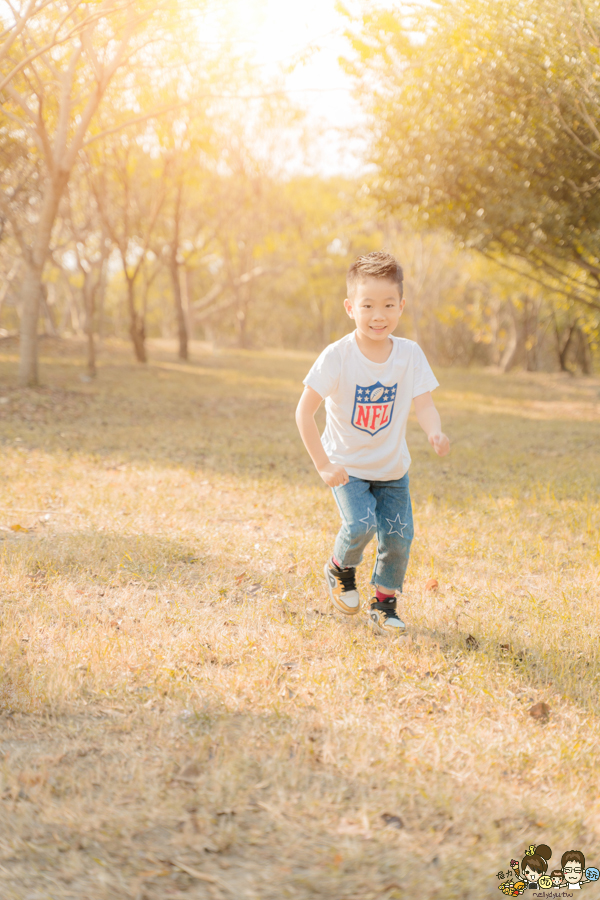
(348, 579)
(388, 609)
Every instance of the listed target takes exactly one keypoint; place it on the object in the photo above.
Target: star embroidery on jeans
(396, 524)
(367, 523)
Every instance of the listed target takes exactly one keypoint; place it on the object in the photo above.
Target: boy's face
(375, 307)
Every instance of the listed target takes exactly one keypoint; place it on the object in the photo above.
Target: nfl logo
(373, 407)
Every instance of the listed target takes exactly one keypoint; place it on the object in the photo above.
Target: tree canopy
(486, 121)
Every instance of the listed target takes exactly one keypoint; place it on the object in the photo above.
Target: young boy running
(368, 380)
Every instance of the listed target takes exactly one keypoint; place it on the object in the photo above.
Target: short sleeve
(325, 373)
(424, 379)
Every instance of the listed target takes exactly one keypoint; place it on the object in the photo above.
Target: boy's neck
(376, 351)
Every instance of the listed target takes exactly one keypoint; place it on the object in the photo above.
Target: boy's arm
(332, 474)
(429, 419)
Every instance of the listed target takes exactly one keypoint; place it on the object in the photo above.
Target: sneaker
(341, 585)
(384, 619)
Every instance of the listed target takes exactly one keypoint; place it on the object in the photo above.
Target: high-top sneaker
(384, 619)
(341, 585)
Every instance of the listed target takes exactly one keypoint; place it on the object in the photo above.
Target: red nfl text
(372, 416)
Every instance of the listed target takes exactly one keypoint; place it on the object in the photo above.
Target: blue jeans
(381, 508)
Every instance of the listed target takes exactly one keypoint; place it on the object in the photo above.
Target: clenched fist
(334, 475)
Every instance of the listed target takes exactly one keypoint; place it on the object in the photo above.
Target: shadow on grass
(572, 673)
(101, 557)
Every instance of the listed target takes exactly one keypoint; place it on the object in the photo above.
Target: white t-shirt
(367, 405)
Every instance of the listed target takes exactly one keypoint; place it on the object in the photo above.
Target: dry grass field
(181, 713)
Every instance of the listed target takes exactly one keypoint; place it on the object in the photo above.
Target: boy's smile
(376, 308)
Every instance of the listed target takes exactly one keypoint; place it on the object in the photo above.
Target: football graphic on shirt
(373, 407)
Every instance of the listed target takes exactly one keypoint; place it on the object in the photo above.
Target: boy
(368, 380)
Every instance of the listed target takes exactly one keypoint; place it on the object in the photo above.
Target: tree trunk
(101, 283)
(137, 326)
(32, 283)
(31, 292)
(179, 311)
(186, 299)
(89, 300)
(563, 346)
(509, 355)
(49, 321)
(176, 279)
(6, 287)
(530, 332)
(584, 356)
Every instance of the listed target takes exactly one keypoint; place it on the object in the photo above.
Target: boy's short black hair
(378, 264)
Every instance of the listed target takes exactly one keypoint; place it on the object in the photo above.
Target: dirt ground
(182, 715)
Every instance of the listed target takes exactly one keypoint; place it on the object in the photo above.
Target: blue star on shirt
(366, 522)
(396, 524)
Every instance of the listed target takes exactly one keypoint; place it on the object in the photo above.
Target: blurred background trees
(485, 121)
(155, 186)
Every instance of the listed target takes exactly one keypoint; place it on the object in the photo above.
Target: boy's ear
(402, 302)
(348, 308)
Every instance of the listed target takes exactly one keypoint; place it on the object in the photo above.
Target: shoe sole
(346, 611)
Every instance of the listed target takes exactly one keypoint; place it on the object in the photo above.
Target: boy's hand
(334, 475)
(440, 443)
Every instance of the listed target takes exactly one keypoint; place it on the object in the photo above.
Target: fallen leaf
(192, 770)
(539, 711)
(432, 585)
(392, 821)
(381, 668)
(18, 528)
(472, 643)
